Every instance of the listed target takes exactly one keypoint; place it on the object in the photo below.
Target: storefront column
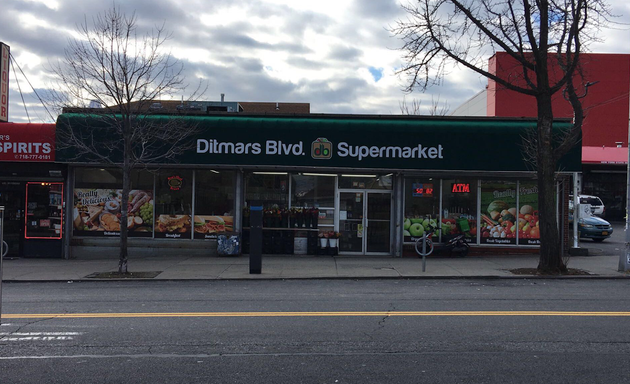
(238, 202)
(68, 214)
(399, 207)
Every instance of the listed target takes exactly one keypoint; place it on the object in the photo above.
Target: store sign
(4, 82)
(422, 190)
(27, 142)
(460, 188)
(175, 182)
(357, 143)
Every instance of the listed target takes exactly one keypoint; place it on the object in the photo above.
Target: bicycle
(5, 248)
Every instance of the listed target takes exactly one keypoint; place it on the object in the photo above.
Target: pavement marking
(313, 314)
(34, 336)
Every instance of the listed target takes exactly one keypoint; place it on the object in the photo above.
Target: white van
(597, 205)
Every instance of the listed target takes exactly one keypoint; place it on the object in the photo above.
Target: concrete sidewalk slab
(182, 267)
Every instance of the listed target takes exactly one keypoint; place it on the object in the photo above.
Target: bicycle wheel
(4, 248)
(429, 248)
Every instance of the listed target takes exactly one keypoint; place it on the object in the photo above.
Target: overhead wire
(31, 85)
(20, 90)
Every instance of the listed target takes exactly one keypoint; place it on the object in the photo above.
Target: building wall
(606, 104)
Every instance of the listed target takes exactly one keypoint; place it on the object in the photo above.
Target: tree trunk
(124, 204)
(550, 258)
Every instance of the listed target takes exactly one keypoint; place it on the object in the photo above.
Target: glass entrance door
(378, 222)
(351, 221)
(364, 222)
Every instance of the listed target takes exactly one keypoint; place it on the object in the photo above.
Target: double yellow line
(313, 314)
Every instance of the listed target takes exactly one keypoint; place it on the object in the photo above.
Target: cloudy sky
(335, 54)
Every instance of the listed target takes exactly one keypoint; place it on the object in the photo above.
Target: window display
(528, 229)
(44, 211)
(97, 203)
(422, 207)
(272, 190)
(498, 213)
(173, 204)
(459, 208)
(214, 203)
(312, 201)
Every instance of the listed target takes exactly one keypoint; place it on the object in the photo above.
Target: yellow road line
(314, 314)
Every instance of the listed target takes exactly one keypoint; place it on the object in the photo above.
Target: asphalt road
(317, 331)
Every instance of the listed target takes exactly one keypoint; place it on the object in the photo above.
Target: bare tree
(415, 108)
(537, 35)
(109, 64)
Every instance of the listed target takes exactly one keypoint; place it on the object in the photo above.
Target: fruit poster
(97, 212)
(498, 213)
(528, 228)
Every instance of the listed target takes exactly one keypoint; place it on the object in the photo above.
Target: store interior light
(358, 175)
(213, 171)
(319, 174)
(269, 173)
(389, 174)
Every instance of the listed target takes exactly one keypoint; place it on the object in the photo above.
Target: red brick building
(605, 130)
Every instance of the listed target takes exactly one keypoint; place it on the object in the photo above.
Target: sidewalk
(182, 267)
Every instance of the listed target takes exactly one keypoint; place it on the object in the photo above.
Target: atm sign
(460, 188)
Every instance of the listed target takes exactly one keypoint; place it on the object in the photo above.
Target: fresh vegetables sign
(498, 213)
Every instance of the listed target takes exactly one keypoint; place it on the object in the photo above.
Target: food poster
(498, 213)
(528, 227)
(208, 226)
(173, 226)
(97, 212)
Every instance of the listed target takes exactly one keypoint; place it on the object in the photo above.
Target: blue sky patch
(377, 73)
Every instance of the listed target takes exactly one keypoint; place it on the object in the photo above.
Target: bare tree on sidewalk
(538, 36)
(123, 73)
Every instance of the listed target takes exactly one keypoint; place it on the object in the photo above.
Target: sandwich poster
(208, 227)
(97, 212)
(172, 227)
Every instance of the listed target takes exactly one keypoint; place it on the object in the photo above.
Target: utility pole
(624, 258)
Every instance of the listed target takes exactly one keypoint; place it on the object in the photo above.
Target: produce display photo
(528, 225)
(498, 213)
(97, 212)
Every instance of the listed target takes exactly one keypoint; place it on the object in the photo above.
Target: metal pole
(624, 258)
(424, 252)
(576, 210)
(2, 250)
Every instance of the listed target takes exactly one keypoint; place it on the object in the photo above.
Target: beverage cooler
(43, 221)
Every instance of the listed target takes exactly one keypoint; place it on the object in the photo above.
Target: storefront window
(498, 212)
(347, 181)
(97, 203)
(173, 204)
(422, 206)
(44, 205)
(459, 209)
(312, 191)
(315, 193)
(214, 203)
(528, 229)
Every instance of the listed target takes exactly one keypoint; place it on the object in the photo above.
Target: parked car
(597, 205)
(594, 228)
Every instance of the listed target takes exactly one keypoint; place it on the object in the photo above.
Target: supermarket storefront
(374, 181)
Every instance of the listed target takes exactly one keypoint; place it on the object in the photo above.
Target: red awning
(604, 155)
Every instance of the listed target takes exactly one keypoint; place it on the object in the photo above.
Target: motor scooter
(457, 246)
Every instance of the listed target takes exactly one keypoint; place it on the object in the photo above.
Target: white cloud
(262, 50)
